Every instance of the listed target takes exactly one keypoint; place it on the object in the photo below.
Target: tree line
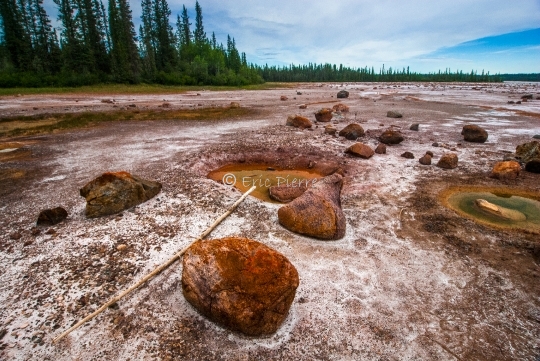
(98, 45)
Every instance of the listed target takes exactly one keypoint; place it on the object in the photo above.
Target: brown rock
(317, 213)
(390, 137)
(240, 284)
(52, 216)
(15, 236)
(408, 155)
(342, 94)
(425, 160)
(329, 129)
(340, 107)
(381, 149)
(285, 193)
(506, 170)
(430, 153)
(528, 151)
(352, 131)
(234, 105)
(394, 114)
(360, 150)
(414, 127)
(299, 122)
(302, 106)
(448, 161)
(474, 133)
(283, 97)
(114, 192)
(324, 115)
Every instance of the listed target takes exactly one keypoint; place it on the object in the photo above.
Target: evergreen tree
(199, 35)
(164, 38)
(17, 40)
(124, 54)
(184, 30)
(146, 39)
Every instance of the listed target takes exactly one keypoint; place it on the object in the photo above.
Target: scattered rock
(302, 106)
(408, 155)
(166, 105)
(537, 136)
(240, 284)
(283, 97)
(343, 94)
(430, 153)
(35, 231)
(528, 151)
(352, 131)
(324, 115)
(425, 160)
(435, 144)
(285, 193)
(317, 212)
(15, 236)
(340, 107)
(448, 161)
(299, 122)
(234, 105)
(533, 166)
(381, 149)
(132, 105)
(51, 231)
(506, 170)
(511, 102)
(474, 133)
(390, 137)
(527, 96)
(107, 101)
(360, 150)
(298, 93)
(518, 102)
(414, 127)
(121, 247)
(114, 192)
(330, 129)
(52, 216)
(394, 114)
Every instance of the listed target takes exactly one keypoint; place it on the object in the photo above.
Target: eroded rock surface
(285, 193)
(240, 284)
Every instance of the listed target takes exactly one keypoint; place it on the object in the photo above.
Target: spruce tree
(199, 35)
(124, 54)
(16, 39)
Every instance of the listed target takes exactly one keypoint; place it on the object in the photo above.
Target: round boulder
(240, 284)
(506, 170)
(425, 160)
(381, 149)
(448, 161)
(352, 131)
(298, 122)
(360, 150)
(408, 155)
(343, 94)
(390, 137)
(474, 133)
(324, 115)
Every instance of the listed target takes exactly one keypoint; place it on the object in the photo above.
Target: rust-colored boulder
(352, 131)
(381, 149)
(390, 137)
(114, 192)
(448, 161)
(425, 160)
(360, 150)
(340, 107)
(240, 284)
(49, 217)
(474, 133)
(506, 170)
(324, 115)
(317, 213)
(285, 193)
(298, 122)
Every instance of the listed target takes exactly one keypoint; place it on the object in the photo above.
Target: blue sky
(494, 35)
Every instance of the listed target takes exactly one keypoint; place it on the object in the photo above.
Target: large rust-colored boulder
(240, 284)
(360, 150)
(390, 137)
(317, 213)
(116, 191)
(298, 122)
(528, 151)
(49, 217)
(448, 161)
(340, 107)
(285, 193)
(506, 170)
(324, 115)
(352, 131)
(474, 133)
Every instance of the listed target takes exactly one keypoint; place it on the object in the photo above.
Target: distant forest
(97, 45)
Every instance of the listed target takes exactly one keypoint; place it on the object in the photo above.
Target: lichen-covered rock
(474, 133)
(49, 217)
(285, 193)
(360, 150)
(298, 122)
(343, 94)
(324, 115)
(317, 213)
(240, 284)
(352, 131)
(528, 151)
(448, 161)
(394, 114)
(116, 191)
(506, 170)
(390, 137)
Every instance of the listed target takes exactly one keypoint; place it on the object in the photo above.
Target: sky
(499, 36)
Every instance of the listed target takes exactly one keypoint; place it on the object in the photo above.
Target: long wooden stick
(157, 270)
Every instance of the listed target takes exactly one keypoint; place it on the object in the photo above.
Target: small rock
(299, 122)
(234, 105)
(425, 160)
(352, 131)
(298, 93)
(390, 137)
(448, 161)
(132, 105)
(340, 107)
(343, 94)
(408, 155)
(537, 136)
(121, 247)
(302, 106)
(324, 115)
(381, 149)
(360, 150)
(52, 216)
(533, 166)
(51, 231)
(283, 97)
(474, 133)
(527, 96)
(506, 170)
(330, 130)
(394, 114)
(414, 127)
(35, 231)
(518, 102)
(15, 236)
(435, 144)
(430, 153)
(511, 102)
